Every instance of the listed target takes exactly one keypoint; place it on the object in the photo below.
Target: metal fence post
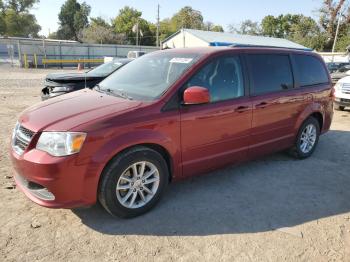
(88, 51)
(59, 43)
(19, 53)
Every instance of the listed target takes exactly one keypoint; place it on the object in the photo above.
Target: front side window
(149, 76)
(223, 78)
(311, 70)
(270, 73)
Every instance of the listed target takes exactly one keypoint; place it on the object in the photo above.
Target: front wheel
(339, 108)
(307, 138)
(133, 182)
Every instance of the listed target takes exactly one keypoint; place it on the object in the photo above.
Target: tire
(299, 151)
(120, 201)
(339, 108)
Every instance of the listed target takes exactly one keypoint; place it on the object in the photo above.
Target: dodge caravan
(166, 116)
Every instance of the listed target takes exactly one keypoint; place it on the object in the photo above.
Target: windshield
(105, 69)
(149, 76)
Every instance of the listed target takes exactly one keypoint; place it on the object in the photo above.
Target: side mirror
(196, 95)
(348, 73)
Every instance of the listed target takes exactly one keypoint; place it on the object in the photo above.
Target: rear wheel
(339, 108)
(307, 138)
(133, 182)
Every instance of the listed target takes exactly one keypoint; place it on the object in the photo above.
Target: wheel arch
(313, 110)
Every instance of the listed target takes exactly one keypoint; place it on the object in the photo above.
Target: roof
(226, 39)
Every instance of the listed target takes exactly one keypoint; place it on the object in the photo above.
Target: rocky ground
(271, 209)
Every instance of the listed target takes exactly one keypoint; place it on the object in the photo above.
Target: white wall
(178, 41)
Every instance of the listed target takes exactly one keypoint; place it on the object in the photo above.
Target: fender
(309, 110)
(138, 137)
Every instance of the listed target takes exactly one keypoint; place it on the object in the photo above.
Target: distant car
(342, 93)
(135, 54)
(62, 83)
(340, 73)
(335, 66)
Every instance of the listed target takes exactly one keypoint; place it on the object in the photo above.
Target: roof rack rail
(268, 46)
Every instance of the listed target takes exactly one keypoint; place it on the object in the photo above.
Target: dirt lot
(272, 209)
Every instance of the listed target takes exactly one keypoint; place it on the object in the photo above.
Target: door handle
(242, 109)
(261, 105)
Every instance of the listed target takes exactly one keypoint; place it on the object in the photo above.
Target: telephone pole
(157, 26)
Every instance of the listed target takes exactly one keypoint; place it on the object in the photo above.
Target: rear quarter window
(311, 70)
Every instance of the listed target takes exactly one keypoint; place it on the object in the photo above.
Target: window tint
(222, 77)
(270, 73)
(311, 71)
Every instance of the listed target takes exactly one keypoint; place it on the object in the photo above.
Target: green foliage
(344, 40)
(217, 28)
(126, 21)
(73, 18)
(188, 18)
(15, 19)
(101, 32)
(298, 28)
(20, 6)
(247, 27)
(99, 21)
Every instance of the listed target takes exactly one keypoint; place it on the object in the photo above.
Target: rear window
(311, 70)
(270, 73)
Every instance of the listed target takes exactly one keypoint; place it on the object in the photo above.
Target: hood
(66, 112)
(345, 79)
(69, 77)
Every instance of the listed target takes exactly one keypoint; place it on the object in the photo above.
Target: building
(199, 38)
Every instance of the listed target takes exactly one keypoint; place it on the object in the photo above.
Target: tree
(21, 6)
(127, 20)
(307, 32)
(329, 15)
(15, 19)
(209, 26)
(217, 28)
(73, 18)
(2, 20)
(101, 32)
(188, 18)
(247, 27)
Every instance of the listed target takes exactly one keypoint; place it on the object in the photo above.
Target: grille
(346, 88)
(345, 100)
(21, 138)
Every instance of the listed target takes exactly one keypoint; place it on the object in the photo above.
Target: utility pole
(137, 33)
(157, 26)
(337, 32)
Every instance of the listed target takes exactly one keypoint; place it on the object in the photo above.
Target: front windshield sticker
(181, 60)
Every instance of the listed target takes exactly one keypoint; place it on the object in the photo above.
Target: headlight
(61, 89)
(61, 143)
(338, 86)
(15, 131)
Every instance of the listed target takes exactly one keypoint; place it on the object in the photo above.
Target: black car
(61, 83)
(340, 73)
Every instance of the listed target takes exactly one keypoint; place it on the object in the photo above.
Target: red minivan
(166, 116)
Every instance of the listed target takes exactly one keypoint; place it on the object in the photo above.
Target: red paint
(198, 138)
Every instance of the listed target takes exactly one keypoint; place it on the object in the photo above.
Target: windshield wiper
(117, 93)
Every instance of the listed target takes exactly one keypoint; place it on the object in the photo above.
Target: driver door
(217, 133)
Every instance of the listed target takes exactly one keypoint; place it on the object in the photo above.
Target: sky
(217, 11)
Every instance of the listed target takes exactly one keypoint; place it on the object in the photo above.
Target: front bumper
(342, 101)
(54, 182)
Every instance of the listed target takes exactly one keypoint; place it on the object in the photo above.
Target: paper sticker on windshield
(181, 60)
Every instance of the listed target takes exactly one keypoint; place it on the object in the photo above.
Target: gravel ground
(271, 209)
